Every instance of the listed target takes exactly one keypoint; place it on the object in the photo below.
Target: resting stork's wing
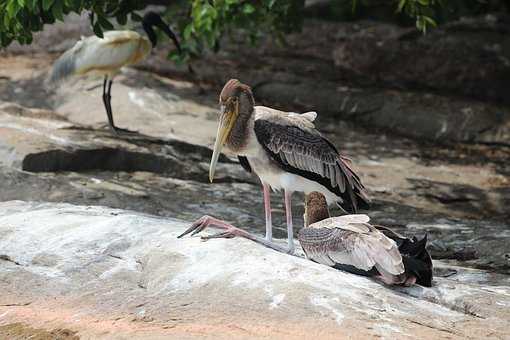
(358, 245)
(293, 142)
(353, 222)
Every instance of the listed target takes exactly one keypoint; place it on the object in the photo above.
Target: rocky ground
(98, 272)
(54, 148)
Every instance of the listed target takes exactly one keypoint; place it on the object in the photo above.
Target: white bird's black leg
(288, 213)
(109, 111)
(107, 102)
(267, 208)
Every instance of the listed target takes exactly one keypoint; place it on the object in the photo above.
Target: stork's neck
(241, 131)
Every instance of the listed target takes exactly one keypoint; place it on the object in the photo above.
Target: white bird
(286, 152)
(106, 56)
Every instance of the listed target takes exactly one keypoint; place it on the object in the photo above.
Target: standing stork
(286, 152)
(106, 56)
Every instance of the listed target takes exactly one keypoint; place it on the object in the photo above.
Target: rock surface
(100, 272)
(449, 85)
(63, 156)
(468, 57)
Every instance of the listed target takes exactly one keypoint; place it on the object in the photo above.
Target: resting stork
(106, 56)
(351, 243)
(286, 152)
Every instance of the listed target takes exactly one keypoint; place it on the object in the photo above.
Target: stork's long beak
(227, 121)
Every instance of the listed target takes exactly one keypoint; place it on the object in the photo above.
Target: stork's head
(316, 208)
(151, 20)
(236, 103)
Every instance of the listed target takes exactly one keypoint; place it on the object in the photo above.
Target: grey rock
(46, 157)
(418, 115)
(469, 57)
(117, 274)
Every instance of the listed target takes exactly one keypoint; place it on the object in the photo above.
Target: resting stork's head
(236, 107)
(316, 208)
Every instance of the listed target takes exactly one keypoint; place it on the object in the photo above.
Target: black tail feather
(417, 260)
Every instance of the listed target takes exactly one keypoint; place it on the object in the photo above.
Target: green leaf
(136, 17)
(47, 4)
(77, 5)
(21, 3)
(98, 30)
(32, 5)
(104, 23)
(431, 21)
(57, 10)
(122, 18)
(354, 6)
(248, 9)
(401, 5)
(186, 34)
(13, 8)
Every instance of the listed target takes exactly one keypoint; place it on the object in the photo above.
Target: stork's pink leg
(267, 208)
(230, 232)
(288, 213)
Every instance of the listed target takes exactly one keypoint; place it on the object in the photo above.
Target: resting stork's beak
(228, 118)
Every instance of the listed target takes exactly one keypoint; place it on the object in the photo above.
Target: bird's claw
(117, 130)
(202, 223)
(195, 227)
(221, 234)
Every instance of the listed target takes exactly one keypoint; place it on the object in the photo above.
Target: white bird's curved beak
(227, 121)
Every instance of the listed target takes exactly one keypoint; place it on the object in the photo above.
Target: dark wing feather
(305, 152)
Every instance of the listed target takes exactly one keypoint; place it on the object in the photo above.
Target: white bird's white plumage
(104, 56)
